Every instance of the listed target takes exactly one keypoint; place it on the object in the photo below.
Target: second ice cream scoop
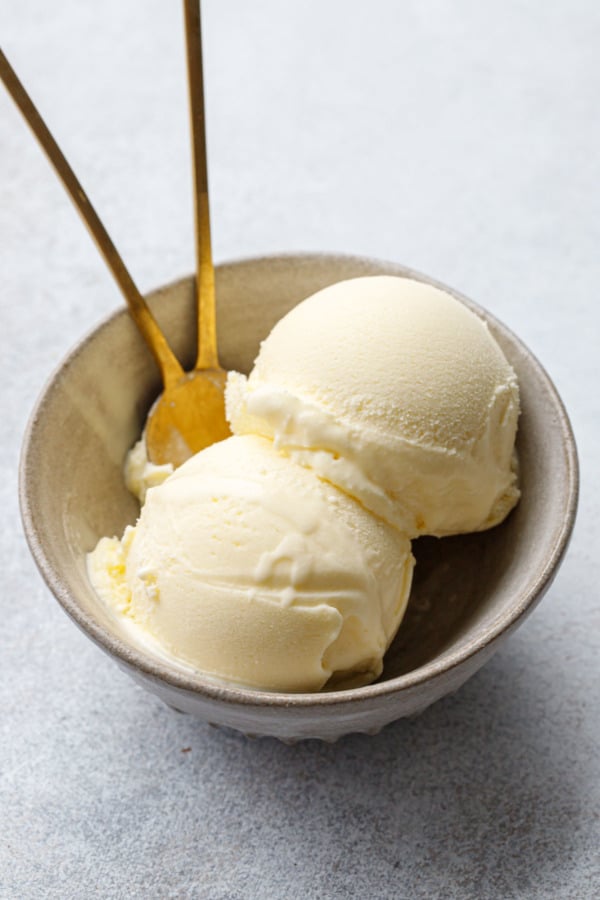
(398, 394)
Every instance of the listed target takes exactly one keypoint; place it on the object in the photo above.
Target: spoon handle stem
(168, 364)
(205, 273)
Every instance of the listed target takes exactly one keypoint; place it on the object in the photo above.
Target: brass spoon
(184, 425)
(190, 414)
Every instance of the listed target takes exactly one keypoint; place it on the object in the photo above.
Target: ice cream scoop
(252, 569)
(397, 393)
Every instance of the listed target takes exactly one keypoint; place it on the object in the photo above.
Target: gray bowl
(469, 592)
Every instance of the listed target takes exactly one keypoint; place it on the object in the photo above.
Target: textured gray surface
(459, 138)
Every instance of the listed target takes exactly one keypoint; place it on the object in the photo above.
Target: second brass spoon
(190, 414)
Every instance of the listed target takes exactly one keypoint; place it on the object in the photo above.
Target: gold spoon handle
(167, 362)
(205, 277)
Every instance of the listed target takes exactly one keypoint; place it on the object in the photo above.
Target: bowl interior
(466, 588)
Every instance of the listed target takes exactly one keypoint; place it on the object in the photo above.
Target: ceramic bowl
(470, 592)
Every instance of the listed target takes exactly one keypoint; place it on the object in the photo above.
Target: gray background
(460, 138)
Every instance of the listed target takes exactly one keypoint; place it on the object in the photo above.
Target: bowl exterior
(366, 715)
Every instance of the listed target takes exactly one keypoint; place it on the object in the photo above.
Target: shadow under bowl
(469, 591)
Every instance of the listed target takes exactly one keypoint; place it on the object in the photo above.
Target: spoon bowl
(187, 417)
(470, 592)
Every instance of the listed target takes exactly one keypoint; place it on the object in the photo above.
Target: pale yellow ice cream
(397, 393)
(140, 473)
(250, 568)
(379, 409)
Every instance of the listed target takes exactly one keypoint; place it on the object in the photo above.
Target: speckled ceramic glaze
(469, 592)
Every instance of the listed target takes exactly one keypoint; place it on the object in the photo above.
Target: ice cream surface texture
(249, 567)
(397, 393)
(377, 410)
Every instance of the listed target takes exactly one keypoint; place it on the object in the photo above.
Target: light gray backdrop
(460, 138)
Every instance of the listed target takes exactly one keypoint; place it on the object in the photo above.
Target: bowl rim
(133, 656)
